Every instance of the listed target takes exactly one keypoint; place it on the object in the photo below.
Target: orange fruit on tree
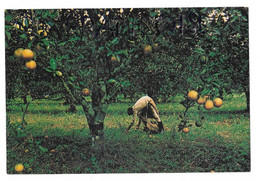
(201, 100)
(218, 102)
(18, 52)
(193, 95)
(27, 54)
(30, 65)
(206, 96)
(185, 130)
(208, 104)
(147, 49)
(113, 59)
(85, 92)
(19, 167)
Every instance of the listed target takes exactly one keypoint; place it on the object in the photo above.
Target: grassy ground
(58, 142)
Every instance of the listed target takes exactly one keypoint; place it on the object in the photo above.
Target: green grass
(221, 144)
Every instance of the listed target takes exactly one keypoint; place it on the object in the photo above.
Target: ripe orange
(147, 50)
(201, 100)
(18, 52)
(30, 65)
(26, 151)
(185, 130)
(218, 102)
(113, 59)
(85, 92)
(27, 54)
(193, 95)
(208, 104)
(19, 167)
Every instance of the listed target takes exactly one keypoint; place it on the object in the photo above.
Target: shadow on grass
(134, 152)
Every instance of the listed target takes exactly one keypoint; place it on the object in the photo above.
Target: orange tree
(21, 32)
(221, 56)
(160, 72)
(104, 51)
(226, 45)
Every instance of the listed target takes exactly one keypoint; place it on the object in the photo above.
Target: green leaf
(23, 36)
(8, 35)
(43, 149)
(48, 69)
(101, 49)
(199, 50)
(121, 52)
(153, 14)
(111, 81)
(212, 54)
(8, 17)
(53, 64)
(62, 43)
(115, 41)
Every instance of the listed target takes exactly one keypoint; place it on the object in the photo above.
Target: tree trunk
(94, 112)
(25, 99)
(247, 100)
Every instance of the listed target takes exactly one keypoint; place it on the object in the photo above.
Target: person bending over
(145, 108)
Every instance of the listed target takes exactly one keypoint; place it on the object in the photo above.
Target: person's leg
(153, 112)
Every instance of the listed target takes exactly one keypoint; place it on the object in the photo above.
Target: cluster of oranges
(27, 55)
(204, 100)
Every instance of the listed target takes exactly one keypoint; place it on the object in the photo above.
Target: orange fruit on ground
(201, 100)
(19, 167)
(85, 92)
(18, 52)
(208, 104)
(218, 102)
(30, 65)
(185, 130)
(26, 151)
(193, 95)
(27, 54)
(147, 50)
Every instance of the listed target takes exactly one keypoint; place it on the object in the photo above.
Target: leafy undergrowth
(134, 152)
(57, 142)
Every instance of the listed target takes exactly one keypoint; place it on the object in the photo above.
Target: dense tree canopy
(105, 50)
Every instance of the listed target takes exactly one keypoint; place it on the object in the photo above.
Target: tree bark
(247, 100)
